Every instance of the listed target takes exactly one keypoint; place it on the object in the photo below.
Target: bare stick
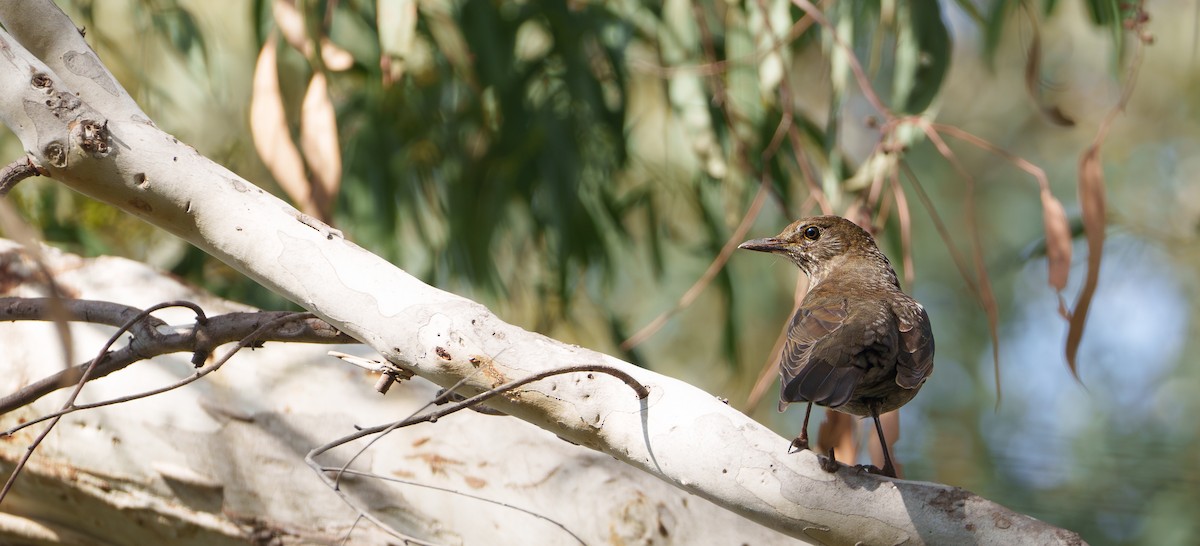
(718, 263)
(249, 340)
(79, 387)
(330, 469)
(71, 407)
(13, 173)
(310, 458)
(149, 341)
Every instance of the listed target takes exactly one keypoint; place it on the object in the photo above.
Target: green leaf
(993, 29)
(922, 55)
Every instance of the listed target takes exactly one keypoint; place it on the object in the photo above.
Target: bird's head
(820, 244)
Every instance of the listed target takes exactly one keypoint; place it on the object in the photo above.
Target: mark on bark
(55, 154)
(86, 65)
(951, 501)
(6, 50)
(92, 136)
(63, 103)
(325, 229)
(60, 105)
(442, 353)
(1068, 538)
(41, 81)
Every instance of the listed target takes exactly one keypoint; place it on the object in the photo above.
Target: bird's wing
(822, 377)
(915, 360)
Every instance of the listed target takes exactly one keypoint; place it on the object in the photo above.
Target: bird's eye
(812, 233)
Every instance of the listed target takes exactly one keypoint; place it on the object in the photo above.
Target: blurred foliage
(577, 166)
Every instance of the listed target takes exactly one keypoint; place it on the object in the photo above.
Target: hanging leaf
(397, 23)
(269, 128)
(320, 143)
(993, 28)
(922, 56)
(838, 431)
(1058, 240)
(291, 24)
(1091, 200)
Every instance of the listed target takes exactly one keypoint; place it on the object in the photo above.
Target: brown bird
(857, 344)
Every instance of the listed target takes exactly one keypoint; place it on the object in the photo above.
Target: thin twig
(71, 407)
(940, 226)
(718, 263)
(31, 241)
(786, 127)
(987, 297)
(455, 492)
(55, 418)
(864, 83)
(310, 458)
(148, 341)
(905, 218)
(249, 340)
(1019, 162)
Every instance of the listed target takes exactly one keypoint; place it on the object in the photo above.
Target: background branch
(151, 338)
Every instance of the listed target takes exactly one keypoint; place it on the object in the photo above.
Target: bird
(857, 344)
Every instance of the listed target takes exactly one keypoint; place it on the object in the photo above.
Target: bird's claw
(829, 463)
(799, 444)
(872, 469)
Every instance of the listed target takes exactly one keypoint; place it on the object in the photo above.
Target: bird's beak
(770, 244)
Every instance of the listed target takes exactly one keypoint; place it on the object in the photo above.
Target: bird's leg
(829, 463)
(888, 469)
(801, 441)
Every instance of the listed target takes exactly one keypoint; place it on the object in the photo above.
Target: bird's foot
(872, 469)
(829, 463)
(799, 444)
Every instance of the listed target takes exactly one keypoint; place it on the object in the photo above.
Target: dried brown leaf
(334, 57)
(1057, 116)
(320, 143)
(987, 299)
(1058, 240)
(837, 431)
(1092, 204)
(269, 128)
(983, 291)
(905, 217)
(291, 23)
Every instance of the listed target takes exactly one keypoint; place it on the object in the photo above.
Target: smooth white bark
(199, 464)
(680, 434)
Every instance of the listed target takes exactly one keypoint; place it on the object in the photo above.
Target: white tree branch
(63, 111)
(223, 460)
